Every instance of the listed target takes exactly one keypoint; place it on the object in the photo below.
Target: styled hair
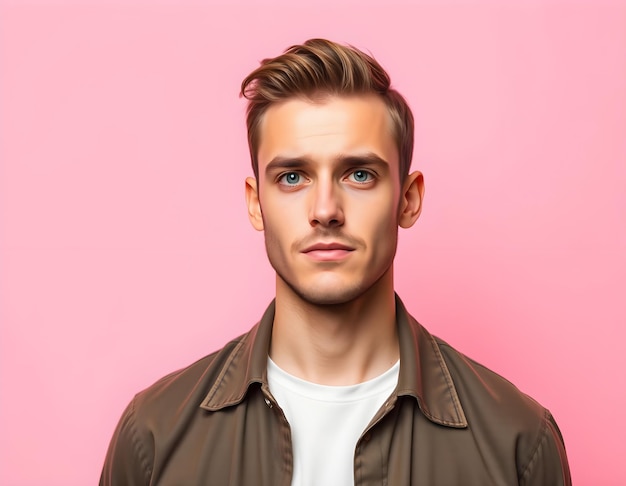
(320, 68)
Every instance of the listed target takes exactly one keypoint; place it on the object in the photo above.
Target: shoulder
(189, 384)
(508, 418)
(478, 385)
(159, 413)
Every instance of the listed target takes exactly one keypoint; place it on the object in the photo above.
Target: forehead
(329, 128)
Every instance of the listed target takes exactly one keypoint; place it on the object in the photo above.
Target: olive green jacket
(449, 422)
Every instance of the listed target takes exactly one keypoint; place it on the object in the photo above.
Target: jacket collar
(423, 371)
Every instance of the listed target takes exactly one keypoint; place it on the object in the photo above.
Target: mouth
(328, 252)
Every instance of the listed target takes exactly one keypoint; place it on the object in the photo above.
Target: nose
(326, 209)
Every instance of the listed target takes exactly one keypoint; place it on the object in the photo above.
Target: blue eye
(361, 176)
(290, 178)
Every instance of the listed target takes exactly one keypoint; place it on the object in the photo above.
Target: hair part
(317, 69)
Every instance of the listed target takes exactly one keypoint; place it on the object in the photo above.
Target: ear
(253, 203)
(411, 199)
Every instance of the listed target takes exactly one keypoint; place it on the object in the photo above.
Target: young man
(337, 384)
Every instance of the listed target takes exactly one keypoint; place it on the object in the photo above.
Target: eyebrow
(366, 160)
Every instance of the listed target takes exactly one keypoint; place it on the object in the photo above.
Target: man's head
(331, 166)
(315, 70)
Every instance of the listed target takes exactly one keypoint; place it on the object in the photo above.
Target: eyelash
(370, 176)
(281, 178)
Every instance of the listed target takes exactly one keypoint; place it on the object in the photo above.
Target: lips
(328, 252)
(327, 247)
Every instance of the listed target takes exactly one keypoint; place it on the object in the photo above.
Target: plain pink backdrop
(125, 247)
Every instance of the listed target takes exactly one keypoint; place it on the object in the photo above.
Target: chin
(329, 295)
(327, 299)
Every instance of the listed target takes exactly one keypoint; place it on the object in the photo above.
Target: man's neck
(340, 344)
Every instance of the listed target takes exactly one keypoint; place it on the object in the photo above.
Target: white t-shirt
(327, 421)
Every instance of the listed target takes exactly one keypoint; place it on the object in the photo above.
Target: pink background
(125, 247)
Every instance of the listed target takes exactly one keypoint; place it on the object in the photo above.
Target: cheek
(280, 208)
(376, 216)
(280, 221)
(379, 228)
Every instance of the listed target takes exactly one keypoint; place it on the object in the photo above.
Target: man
(337, 384)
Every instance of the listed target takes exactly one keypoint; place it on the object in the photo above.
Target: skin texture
(330, 201)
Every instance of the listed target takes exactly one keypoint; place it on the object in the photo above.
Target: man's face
(328, 196)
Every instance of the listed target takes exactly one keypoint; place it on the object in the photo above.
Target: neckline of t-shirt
(385, 382)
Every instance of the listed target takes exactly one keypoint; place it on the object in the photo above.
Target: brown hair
(317, 68)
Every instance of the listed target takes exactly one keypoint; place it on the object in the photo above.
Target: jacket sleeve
(130, 456)
(548, 464)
